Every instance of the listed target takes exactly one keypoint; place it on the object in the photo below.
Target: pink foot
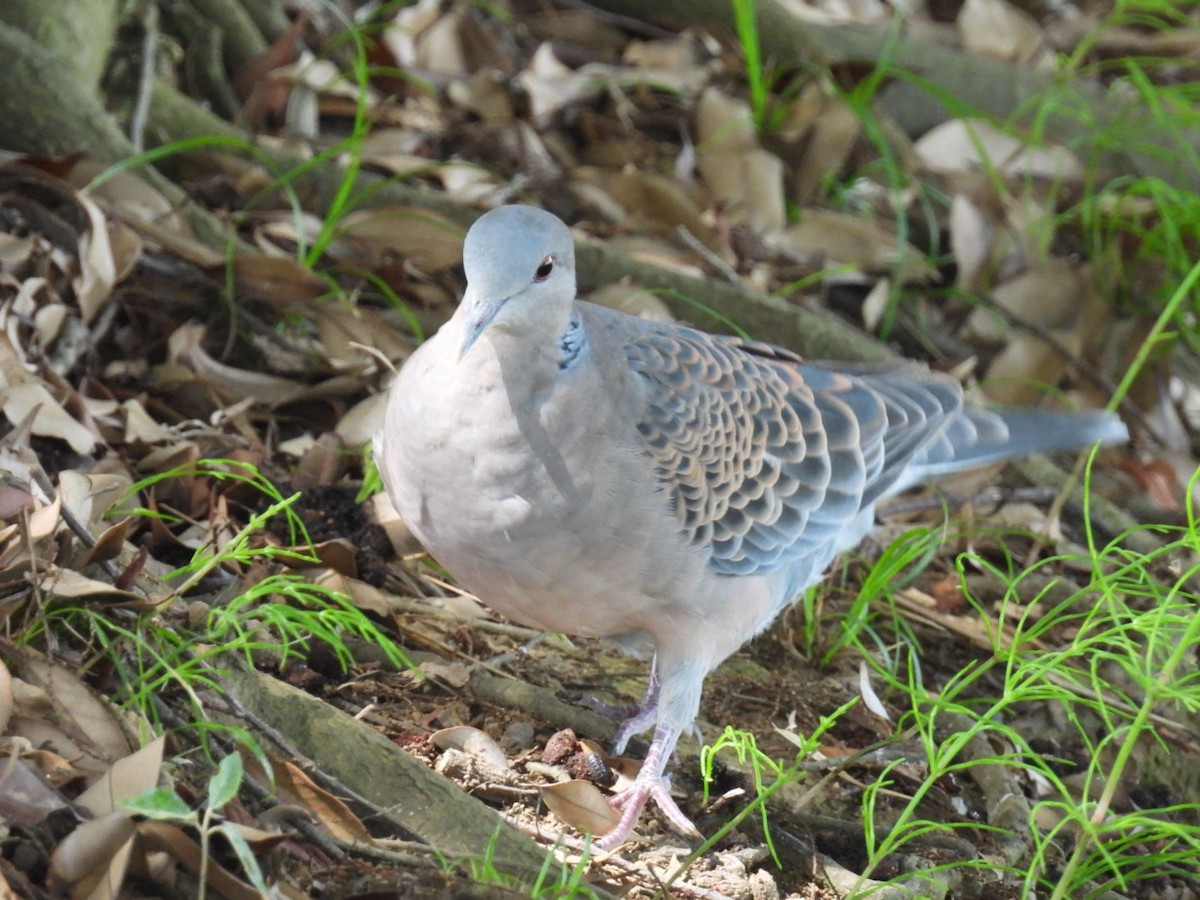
(649, 784)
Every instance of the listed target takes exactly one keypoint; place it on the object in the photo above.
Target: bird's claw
(633, 800)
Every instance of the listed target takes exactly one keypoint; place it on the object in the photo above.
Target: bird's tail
(978, 437)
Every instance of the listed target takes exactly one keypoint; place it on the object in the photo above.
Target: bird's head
(520, 265)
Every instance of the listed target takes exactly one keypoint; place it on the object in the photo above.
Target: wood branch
(241, 41)
(429, 805)
(80, 31)
(46, 108)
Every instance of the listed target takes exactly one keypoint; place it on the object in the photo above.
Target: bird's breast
(549, 509)
(539, 506)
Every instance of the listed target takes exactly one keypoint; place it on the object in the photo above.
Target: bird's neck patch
(571, 343)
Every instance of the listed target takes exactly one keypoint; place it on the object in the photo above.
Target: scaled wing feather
(765, 458)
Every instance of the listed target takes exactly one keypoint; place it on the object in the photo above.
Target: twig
(992, 497)
(141, 105)
(628, 23)
(723, 268)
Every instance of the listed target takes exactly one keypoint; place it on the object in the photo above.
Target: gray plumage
(584, 471)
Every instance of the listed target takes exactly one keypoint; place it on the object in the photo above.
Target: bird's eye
(544, 269)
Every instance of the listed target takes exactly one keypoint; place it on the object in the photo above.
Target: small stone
(762, 886)
(518, 736)
(561, 747)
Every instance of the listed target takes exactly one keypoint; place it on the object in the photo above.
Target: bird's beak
(480, 312)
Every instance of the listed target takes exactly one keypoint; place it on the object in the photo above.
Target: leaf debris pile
(186, 419)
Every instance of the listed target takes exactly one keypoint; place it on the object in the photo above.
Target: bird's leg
(637, 717)
(642, 716)
(650, 783)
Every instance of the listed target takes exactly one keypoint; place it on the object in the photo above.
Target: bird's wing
(765, 458)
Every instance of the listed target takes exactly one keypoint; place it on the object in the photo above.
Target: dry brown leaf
(322, 461)
(1021, 372)
(1158, 478)
(44, 521)
(89, 719)
(279, 280)
(127, 778)
(6, 697)
(32, 292)
(89, 496)
(971, 236)
(485, 93)
(26, 797)
(49, 321)
(127, 248)
(430, 241)
(681, 52)
(410, 23)
(581, 805)
(362, 595)
(997, 28)
(15, 250)
(625, 768)
(91, 860)
(345, 329)
(108, 546)
(31, 700)
(14, 499)
(469, 185)
(162, 837)
(358, 426)
(742, 177)
(186, 347)
(279, 235)
(148, 214)
(487, 759)
(337, 554)
(71, 585)
(551, 85)
(868, 245)
(441, 48)
(322, 77)
(397, 150)
(56, 769)
(829, 139)
(452, 674)
(294, 787)
(876, 304)
(49, 419)
(658, 202)
(38, 731)
(141, 427)
(967, 145)
(1048, 295)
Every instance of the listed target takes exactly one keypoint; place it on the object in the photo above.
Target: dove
(587, 472)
